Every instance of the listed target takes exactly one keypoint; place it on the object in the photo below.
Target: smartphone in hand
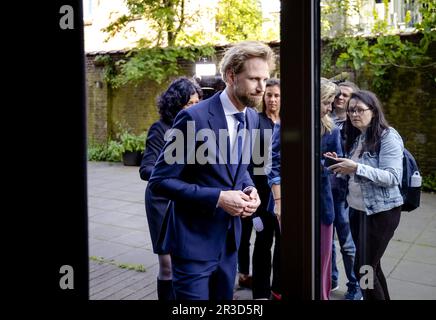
(329, 162)
(248, 190)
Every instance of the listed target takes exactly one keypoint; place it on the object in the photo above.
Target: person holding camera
(341, 222)
(374, 168)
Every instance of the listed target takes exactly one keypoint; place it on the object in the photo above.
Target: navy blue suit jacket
(197, 228)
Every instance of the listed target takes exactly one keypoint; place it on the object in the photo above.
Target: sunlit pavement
(118, 235)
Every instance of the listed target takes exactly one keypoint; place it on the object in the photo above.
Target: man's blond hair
(235, 56)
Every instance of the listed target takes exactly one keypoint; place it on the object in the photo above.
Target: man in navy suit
(209, 197)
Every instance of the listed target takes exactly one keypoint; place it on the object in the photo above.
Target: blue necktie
(240, 117)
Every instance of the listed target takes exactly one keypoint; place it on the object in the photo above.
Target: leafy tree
(374, 58)
(239, 20)
(166, 18)
(156, 64)
(157, 55)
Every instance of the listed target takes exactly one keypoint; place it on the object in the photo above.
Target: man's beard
(247, 100)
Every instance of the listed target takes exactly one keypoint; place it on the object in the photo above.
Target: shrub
(429, 182)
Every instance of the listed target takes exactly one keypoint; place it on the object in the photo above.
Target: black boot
(165, 291)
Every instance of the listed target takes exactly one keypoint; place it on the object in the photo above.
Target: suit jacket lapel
(217, 120)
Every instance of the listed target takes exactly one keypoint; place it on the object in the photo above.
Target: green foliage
(156, 64)
(428, 13)
(96, 152)
(239, 20)
(166, 19)
(111, 151)
(381, 23)
(109, 70)
(429, 182)
(157, 55)
(428, 24)
(131, 142)
(127, 140)
(375, 58)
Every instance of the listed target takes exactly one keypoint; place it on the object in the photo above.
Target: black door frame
(299, 69)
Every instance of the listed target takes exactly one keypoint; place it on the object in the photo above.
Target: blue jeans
(348, 249)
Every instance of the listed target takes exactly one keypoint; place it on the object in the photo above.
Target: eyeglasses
(350, 112)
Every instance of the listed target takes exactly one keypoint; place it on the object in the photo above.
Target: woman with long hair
(330, 142)
(374, 168)
(181, 94)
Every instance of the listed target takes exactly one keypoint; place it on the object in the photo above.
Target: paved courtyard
(120, 245)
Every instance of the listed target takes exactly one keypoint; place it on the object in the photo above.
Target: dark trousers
(262, 285)
(206, 280)
(371, 235)
(244, 247)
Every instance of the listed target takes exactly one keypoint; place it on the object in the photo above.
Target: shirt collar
(228, 106)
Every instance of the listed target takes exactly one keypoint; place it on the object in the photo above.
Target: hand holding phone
(329, 162)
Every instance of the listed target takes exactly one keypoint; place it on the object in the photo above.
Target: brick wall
(97, 100)
(132, 105)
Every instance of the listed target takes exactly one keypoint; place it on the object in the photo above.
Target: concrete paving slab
(397, 249)
(132, 222)
(136, 239)
(105, 204)
(421, 253)
(109, 217)
(138, 256)
(133, 208)
(427, 238)
(405, 290)
(107, 232)
(108, 250)
(418, 273)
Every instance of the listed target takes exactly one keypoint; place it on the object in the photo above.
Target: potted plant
(132, 147)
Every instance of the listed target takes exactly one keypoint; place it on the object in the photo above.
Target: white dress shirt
(229, 111)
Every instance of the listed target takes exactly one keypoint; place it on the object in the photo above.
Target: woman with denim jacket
(374, 167)
(341, 224)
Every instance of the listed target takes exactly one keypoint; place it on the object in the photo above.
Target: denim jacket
(272, 169)
(380, 174)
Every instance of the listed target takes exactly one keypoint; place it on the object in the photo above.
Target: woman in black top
(262, 286)
(181, 94)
